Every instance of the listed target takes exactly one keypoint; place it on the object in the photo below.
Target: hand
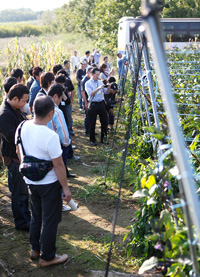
(101, 87)
(111, 111)
(66, 194)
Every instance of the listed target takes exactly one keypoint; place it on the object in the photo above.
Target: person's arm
(60, 171)
(91, 92)
(72, 96)
(78, 77)
(62, 129)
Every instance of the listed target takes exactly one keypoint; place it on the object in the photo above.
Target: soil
(83, 234)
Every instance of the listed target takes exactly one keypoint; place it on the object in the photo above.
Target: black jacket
(110, 101)
(9, 121)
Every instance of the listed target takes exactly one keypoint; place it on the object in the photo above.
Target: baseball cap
(114, 86)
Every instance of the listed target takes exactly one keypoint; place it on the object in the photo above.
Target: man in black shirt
(79, 76)
(10, 118)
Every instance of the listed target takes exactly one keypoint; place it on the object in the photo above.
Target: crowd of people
(47, 101)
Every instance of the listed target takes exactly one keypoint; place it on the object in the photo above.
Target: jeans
(19, 196)
(46, 206)
(80, 101)
(65, 154)
(69, 117)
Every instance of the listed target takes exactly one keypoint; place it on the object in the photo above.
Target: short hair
(102, 66)
(8, 83)
(87, 52)
(106, 57)
(31, 70)
(17, 72)
(63, 71)
(118, 54)
(46, 79)
(37, 70)
(60, 78)
(18, 91)
(66, 62)
(111, 79)
(56, 68)
(89, 69)
(94, 70)
(42, 106)
(56, 89)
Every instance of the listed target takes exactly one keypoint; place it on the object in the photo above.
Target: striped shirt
(59, 125)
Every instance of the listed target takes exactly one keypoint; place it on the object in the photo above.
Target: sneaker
(65, 208)
(73, 146)
(56, 260)
(76, 158)
(93, 143)
(80, 109)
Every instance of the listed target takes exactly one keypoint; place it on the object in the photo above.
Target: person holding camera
(95, 90)
(110, 102)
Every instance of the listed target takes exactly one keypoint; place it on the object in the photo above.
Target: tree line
(12, 15)
(98, 19)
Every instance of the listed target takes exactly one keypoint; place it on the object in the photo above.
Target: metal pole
(186, 174)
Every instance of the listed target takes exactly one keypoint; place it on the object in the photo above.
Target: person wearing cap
(110, 102)
(121, 60)
(96, 55)
(79, 76)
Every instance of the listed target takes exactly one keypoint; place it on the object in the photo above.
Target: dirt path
(84, 234)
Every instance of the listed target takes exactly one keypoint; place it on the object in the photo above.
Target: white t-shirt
(41, 142)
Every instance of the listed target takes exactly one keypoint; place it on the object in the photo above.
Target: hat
(114, 86)
(83, 61)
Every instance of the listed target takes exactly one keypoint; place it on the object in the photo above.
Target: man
(67, 67)
(85, 99)
(8, 83)
(75, 60)
(37, 71)
(96, 56)
(46, 202)
(79, 76)
(95, 90)
(70, 91)
(46, 80)
(10, 118)
(121, 67)
(18, 74)
(87, 56)
(58, 123)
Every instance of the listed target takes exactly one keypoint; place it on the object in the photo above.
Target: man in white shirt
(46, 203)
(95, 90)
(75, 60)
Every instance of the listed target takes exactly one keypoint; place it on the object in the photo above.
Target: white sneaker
(80, 110)
(65, 208)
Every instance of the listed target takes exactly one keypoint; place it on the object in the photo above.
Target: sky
(35, 5)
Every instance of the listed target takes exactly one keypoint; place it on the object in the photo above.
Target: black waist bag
(31, 167)
(35, 169)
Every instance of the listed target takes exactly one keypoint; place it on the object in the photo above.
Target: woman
(103, 72)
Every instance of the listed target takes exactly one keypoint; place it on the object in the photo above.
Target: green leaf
(149, 264)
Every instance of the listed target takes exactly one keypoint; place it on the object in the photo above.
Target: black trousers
(19, 189)
(98, 108)
(46, 206)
